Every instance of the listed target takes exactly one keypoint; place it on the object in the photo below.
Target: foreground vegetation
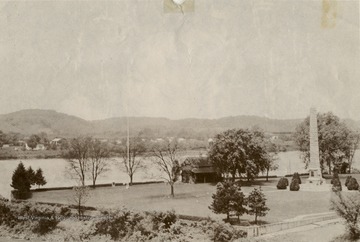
(60, 223)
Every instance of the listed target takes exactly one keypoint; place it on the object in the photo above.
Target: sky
(101, 59)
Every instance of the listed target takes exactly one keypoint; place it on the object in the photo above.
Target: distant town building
(56, 141)
(198, 170)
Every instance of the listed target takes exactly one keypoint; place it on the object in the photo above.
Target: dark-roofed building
(198, 170)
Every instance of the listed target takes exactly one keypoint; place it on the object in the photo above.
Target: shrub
(336, 185)
(163, 219)
(46, 223)
(282, 183)
(7, 217)
(335, 176)
(353, 184)
(347, 180)
(225, 232)
(296, 176)
(294, 186)
(124, 224)
(65, 211)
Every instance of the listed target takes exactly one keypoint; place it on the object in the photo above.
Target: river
(57, 175)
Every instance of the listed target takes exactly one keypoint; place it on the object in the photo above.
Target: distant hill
(35, 121)
(59, 124)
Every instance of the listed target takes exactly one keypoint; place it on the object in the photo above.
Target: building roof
(197, 162)
(56, 139)
(204, 170)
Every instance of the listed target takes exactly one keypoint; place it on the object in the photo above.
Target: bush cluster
(294, 185)
(124, 224)
(40, 219)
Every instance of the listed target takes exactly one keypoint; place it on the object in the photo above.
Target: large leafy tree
(228, 200)
(334, 140)
(33, 141)
(239, 151)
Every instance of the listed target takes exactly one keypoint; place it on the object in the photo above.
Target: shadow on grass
(244, 222)
(245, 183)
(177, 196)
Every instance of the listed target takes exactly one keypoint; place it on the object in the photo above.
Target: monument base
(315, 176)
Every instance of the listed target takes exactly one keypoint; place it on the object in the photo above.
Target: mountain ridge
(31, 121)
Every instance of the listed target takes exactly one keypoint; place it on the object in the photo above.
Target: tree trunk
(255, 218)
(79, 208)
(233, 177)
(172, 190)
(94, 181)
(131, 179)
(227, 216)
(267, 174)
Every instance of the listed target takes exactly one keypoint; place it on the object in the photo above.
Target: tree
(33, 141)
(78, 155)
(240, 152)
(20, 181)
(347, 206)
(44, 139)
(2, 138)
(39, 178)
(31, 175)
(353, 145)
(80, 196)
(133, 162)
(257, 203)
(270, 161)
(334, 140)
(228, 199)
(165, 160)
(98, 156)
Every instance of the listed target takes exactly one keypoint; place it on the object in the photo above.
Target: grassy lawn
(194, 199)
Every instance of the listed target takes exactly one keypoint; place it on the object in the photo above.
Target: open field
(194, 199)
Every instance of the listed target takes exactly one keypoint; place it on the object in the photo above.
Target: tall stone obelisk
(314, 163)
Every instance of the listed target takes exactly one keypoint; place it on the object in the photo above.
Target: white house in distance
(56, 141)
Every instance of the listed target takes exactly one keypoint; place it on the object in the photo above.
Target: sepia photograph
(180, 120)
